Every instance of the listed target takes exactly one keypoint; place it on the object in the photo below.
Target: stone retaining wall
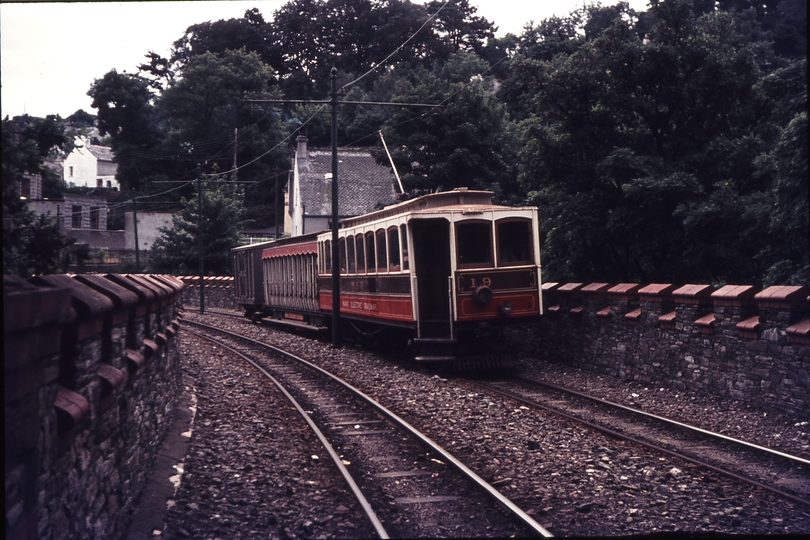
(91, 369)
(219, 292)
(735, 341)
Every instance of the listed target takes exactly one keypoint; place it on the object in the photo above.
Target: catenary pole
(135, 227)
(200, 239)
(334, 103)
(335, 215)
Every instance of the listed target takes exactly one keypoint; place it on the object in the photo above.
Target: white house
(363, 186)
(90, 165)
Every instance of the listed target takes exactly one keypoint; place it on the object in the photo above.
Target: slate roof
(105, 166)
(102, 153)
(362, 182)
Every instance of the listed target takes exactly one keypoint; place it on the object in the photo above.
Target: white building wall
(148, 225)
(80, 168)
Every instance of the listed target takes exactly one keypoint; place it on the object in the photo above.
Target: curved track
(331, 400)
(734, 458)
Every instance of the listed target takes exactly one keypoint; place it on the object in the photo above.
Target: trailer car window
(361, 255)
(328, 254)
(393, 248)
(342, 245)
(372, 262)
(514, 242)
(474, 244)
(350, 254)
(382, 259)
(404, 230)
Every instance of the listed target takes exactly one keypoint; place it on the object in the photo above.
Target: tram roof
(460, 197)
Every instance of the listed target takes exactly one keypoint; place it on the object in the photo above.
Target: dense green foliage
(663, 145)
(31, 244)
(177, 250)
(655, 146)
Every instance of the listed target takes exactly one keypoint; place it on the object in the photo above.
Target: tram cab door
(431, 242)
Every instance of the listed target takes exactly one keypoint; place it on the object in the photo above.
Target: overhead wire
(426, 113)
(213, 141)
(379, 65)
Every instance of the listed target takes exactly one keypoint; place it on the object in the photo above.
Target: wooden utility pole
(135, 227)
(334, 103)
(335, 215)
(200, 239)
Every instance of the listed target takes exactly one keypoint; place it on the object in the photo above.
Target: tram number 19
(472, 283)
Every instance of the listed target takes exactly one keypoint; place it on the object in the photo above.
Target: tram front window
(514, 243)
(474, 244)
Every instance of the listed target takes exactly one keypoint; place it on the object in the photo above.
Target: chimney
(301, 151)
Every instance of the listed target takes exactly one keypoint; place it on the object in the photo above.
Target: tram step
(434, 341)
(435, 358)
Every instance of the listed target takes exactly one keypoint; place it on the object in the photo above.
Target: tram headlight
(482, 295)
(506, 307)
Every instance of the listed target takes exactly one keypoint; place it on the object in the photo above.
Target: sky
(51, 52)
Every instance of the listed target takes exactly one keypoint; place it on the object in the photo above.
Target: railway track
(785, 475)
(406, 483)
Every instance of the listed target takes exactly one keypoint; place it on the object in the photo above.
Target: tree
(640, 146)
(31, 244)
(176, 251)
(458, 26)
(250, 33)
(468, 142)
(206, 113)
(126, 113)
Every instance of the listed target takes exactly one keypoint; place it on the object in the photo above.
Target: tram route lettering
(354, 304)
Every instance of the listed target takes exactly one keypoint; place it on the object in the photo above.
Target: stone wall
(91, 373)
(735, 341)
(219, 292)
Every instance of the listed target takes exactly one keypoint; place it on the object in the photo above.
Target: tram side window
(350, 254)
(372, 261)
(382, 259)
(361, 255)
(327, 255)
(474, 244)
(404, 230)
(514, 243)
(342, 244)
(393, 248)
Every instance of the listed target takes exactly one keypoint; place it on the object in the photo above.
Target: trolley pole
(335, 241)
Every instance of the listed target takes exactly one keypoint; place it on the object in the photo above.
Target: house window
(76, 217)
(109, 183)
(99, 183)
(71, 171)
(25, 188)
(94, 218)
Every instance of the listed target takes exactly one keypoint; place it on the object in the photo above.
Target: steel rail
(666, 420)
(361, 498)
(425, 440)
(657, 448)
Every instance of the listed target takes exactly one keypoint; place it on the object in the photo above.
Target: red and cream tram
(449, 269)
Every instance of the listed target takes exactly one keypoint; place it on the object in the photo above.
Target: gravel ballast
(572, 480)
